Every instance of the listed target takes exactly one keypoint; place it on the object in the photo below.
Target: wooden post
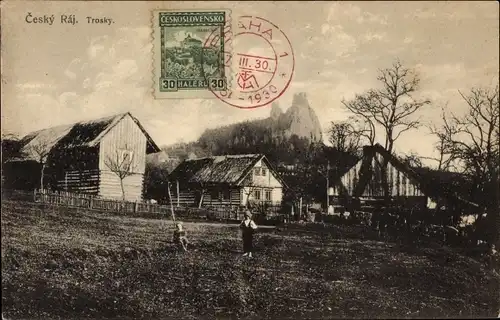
(91, 202)
(136, 205)
(34, 195)
(177, 183)
(201, 198)
(327, 186)
(171, 204)
(300, 208)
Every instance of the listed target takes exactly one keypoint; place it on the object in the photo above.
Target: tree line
(466, 144)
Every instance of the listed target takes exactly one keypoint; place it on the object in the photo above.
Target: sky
(58, 74)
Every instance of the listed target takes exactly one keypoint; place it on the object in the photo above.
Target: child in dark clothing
(180, 238)
(248, 227)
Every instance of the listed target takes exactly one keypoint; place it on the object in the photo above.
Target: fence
(86, 201)
(92, 202)
(226, 213)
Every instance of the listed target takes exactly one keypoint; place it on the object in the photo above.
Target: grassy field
(61, 264)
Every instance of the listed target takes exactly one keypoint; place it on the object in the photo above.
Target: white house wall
(269, 180)
(277, 195)
(256, 180)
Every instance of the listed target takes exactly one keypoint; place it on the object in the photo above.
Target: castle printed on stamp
(186, 65)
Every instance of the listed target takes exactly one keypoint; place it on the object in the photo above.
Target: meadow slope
(62, 263)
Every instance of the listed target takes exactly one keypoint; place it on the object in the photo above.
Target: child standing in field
(247, 227)
(180, 237)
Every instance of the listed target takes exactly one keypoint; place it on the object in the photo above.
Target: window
(257, 195)
(226, 194)
(257, 171)
(264, 171)
(268, 195)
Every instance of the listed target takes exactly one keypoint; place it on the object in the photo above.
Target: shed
(105, 157)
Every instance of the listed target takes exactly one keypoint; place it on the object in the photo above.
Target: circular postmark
(258, 60)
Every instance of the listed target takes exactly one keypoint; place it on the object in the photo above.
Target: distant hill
(281, 136)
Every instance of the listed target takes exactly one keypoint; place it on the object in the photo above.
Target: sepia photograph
(250, 160)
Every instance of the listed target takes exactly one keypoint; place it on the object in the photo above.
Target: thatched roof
(80, 134)
(227, 170)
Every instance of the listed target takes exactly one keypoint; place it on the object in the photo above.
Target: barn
(229, 180)
(104, 157)
(364, 179)
(407, 186)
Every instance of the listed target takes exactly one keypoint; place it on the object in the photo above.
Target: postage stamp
(185, 64)
(262, 63)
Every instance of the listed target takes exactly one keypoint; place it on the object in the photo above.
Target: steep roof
(228, 169)
(432, 182)
(80, 134)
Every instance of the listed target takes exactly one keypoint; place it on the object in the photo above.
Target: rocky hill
(301, 120)
(280, 133)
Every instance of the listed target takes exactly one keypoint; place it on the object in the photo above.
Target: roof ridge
(111, 116)
(242, 155)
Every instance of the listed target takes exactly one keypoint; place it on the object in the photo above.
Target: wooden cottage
(231, 180)
(104, 157)
(364, 179)
(406, 186)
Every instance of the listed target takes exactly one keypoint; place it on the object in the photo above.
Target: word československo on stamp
(185, 65)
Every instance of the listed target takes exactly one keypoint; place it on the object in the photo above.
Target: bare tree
(472, 143)
(443, 134)
(248, 193)
(122, 165)
(392, 107)
(203, 189)
(364, 128)
(39, 149)
(413, 160)
(345, 137)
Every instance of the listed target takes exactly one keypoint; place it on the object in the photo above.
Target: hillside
(73, 264)
(281, 136)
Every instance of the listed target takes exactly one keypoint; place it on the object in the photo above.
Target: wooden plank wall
(84, 181)
(400, 185)
(110, 186)
(214, 196)
(75, 170)
(191, 197)
(125, 135)
(186, 198)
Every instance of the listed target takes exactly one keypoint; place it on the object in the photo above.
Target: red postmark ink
(261, 63)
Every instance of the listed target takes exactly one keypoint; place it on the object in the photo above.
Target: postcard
(238, 159)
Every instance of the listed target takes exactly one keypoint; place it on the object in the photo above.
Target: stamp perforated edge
(156, 58)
